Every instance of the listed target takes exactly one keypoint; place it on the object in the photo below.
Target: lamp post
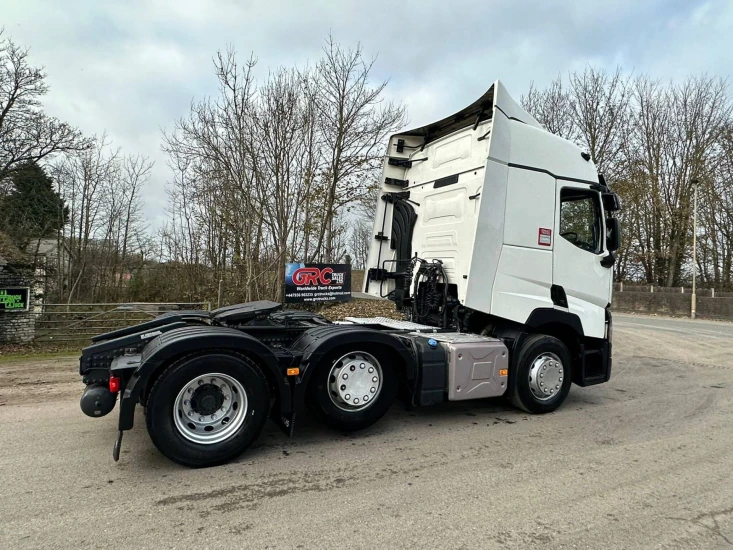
(694, 182)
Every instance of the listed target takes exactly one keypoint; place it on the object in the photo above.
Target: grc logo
(314, 276)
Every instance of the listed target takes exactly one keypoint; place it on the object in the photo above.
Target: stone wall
(664, 303)
(18, 327)
(715, 308)
(672, 303)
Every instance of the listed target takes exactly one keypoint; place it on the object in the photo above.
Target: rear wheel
(543, 375)
(207, 409)
(353, 389)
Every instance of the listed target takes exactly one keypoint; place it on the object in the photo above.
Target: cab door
(578, 253)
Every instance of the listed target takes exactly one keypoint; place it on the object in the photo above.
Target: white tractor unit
(493, 237)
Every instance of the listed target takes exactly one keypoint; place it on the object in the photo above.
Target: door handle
(608, 261)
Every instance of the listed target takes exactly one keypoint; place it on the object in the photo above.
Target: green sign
(13, 299)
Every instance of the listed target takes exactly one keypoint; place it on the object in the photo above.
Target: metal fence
(705, 292)
(79, 322)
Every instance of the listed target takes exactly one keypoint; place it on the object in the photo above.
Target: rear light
(114, 384)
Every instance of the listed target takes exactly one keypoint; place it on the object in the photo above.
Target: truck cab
(518, 218)
(488, 223)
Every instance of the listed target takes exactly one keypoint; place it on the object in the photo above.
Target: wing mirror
(613, 234)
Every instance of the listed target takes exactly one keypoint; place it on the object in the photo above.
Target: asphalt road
(644, 461)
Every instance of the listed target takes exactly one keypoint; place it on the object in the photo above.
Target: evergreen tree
(33, 209)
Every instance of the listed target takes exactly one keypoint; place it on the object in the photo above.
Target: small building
(21, 296)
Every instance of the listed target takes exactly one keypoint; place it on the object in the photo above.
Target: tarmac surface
(644, 461)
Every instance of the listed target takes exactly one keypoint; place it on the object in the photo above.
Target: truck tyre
(542, 375)
(207, 409)
(353, 389)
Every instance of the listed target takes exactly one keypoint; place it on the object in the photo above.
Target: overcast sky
(131, 67)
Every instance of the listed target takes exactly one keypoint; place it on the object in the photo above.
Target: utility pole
(695, 183)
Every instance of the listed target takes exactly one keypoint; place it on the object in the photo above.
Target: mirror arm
(608, 261)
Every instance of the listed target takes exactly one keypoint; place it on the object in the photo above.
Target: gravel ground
(641, 462)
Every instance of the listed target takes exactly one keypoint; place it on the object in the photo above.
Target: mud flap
(117, 447)
(287, 423)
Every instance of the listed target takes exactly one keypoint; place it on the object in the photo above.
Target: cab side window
(580, 219)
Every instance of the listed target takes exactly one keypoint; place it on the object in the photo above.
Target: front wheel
(543, 375)
(353, 389)
(207, 409)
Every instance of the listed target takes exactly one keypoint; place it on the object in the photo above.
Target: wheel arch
(199, 340)
(321, 342)
(562, 325)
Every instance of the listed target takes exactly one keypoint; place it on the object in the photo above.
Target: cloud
(131, 68)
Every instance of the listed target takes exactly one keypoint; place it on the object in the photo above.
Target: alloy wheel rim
(210, 408)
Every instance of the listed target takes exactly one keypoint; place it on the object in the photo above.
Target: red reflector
(114, 384)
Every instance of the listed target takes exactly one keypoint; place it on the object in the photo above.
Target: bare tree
(361, 239)
(102, 243)
(283, 149)
(600, 110)
(715, 241)
(265, 174)
(355, 123)
(674, 136)
(27, 134)
(552, 108)
(214, 146)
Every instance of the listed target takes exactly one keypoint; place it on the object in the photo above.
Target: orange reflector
(114, 384)
(504, 372)
(293, 372)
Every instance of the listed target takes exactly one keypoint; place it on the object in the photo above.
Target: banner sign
(14, 299)
(317, 283)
